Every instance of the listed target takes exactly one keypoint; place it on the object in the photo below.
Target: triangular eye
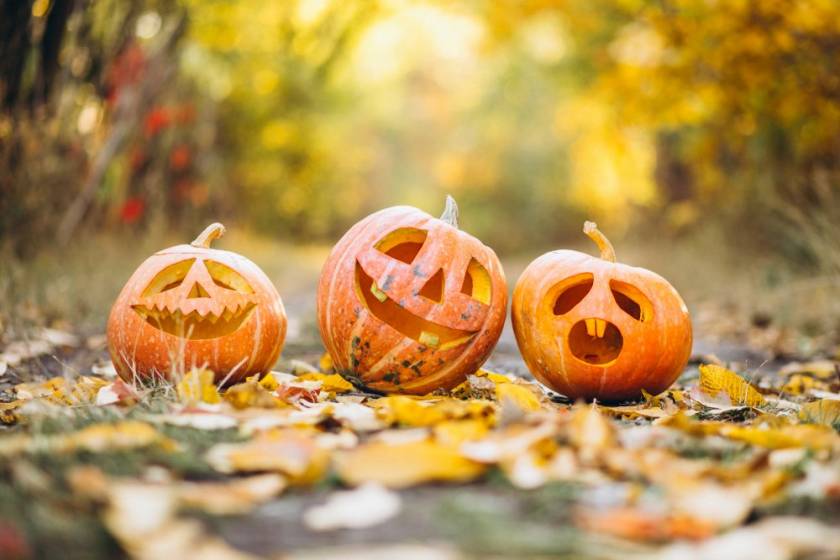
(477, 282)
(402, 244)
(631, 300)
(169, 278)
(433, 289)
(571, 292)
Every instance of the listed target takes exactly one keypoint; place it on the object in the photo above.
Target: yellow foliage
(332, 383)
(715, 379)
(406, 464)
(824, 411)
(523, 397)
(198, 386)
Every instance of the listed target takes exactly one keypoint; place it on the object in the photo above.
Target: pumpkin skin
(592, 328)
(409, 303)
(192, 306)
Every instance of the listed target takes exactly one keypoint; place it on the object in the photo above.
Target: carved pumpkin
(193, 306)
(409, 303)
(592, 328)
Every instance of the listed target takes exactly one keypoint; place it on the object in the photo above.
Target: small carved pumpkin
(193, 306)
(592, 328)
(409, 303)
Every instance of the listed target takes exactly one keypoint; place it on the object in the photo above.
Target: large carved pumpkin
(193, 306)
(591, 328)
(409, 303)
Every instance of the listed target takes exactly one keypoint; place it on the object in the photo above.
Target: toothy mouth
(595, 341)
(193, 325)
(417, 328)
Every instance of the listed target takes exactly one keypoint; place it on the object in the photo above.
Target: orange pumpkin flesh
(592, 328)
(193, 306)
(409, 303)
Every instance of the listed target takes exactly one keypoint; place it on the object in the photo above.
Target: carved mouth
(417, 328)
(193, 325)
(595, 341)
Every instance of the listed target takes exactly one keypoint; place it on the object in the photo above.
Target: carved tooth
(429, 339)
(601, 326)
(377, 293)
(590, 327)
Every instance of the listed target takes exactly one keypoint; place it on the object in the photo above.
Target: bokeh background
(702, 135)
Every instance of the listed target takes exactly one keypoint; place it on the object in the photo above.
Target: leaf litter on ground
(679, 473)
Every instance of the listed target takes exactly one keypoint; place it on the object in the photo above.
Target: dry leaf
(198, 386)
(522, 397)
(641, 525)
(403, 465)
(292, 452)
(716, 379)
(366, 506)
(823, 411)
(332, 383)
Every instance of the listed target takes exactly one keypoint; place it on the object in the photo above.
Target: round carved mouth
(595, 341)
(193, 325)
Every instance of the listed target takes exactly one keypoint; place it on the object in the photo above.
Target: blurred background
(702, 135)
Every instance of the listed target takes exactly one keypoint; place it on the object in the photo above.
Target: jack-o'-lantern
(194, 306)
(593, 328)
(410, 303)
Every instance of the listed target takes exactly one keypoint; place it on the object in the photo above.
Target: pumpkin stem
(450, 212)
(607, 250)
(209, 235)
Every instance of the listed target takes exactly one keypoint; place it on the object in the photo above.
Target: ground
(731, 461)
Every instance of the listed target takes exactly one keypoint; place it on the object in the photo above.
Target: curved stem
(450, 212)
(209, 235)
(607, 250)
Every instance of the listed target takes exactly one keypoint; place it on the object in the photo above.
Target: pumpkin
(593, 328)
(194, 306)
(410, 303)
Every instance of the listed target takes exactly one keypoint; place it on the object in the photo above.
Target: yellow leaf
(332, 383)
(810, 436)
(293, 452)
(824, 411)
(269, 382)
(325, 364)
(406, 464)
(590, 430)
(714, 379)
(198, 386)
(520, 395)
(455, 432)
(251, 393)
(129, 434)
(417, 412)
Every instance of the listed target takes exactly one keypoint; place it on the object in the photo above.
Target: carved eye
(169, 278)
(631, 300)
(227, 278)
(402, 244)
(571, 292)
(477, 282)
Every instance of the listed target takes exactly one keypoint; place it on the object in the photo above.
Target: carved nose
(433, 288)
(197, 291)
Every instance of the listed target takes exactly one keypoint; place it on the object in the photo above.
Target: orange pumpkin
(409, 303)
(193, 306)
(592, 328)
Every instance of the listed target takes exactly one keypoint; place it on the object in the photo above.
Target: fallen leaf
(197, 386)
(636, 524)
(522, 397)
(716, 379)
(403, 465)
(366, 506)
(332, 383)
(823, 411)
(293, 452)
